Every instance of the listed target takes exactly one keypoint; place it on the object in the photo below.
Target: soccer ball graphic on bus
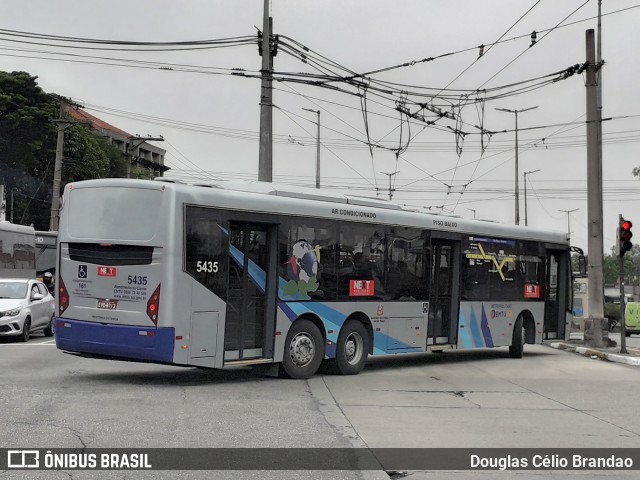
(303, 264)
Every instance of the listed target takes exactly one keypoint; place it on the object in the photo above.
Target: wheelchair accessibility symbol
(82, 271)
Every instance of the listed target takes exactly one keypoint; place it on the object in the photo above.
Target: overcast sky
(210, 119)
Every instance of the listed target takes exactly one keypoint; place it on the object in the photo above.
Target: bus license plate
(107, 304)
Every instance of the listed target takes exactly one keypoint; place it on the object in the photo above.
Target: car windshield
(13, 289)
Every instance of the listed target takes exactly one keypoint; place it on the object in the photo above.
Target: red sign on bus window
(531, 290)
(107, 271)
(361, 288)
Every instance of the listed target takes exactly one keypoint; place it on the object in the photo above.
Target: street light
(568, 212)
(317, 147)
(517, 206)
(525, 194)
(472, 210)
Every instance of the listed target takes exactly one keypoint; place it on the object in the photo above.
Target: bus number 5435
(206, 266)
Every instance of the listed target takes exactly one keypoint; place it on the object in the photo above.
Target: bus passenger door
(557, 282)
(250, 314)
(445, 292)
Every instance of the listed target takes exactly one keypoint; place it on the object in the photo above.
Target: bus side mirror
(582, 262)
(582, 265)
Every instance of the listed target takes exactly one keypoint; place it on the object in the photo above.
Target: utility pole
(517, 177)
(568, 212)
(594, 326)
(526, 223)
(391, 190)
(265, 160)
(317, 147)
(3, 205)
(63, 124)
(136, 141)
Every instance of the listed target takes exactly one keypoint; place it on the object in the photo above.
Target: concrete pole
(595, 326)
(3, 205)
(517, 178)
(265, 160)
(57, 172)
(526, 221)
(318, 154)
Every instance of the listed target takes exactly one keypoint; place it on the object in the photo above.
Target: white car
(26, 306)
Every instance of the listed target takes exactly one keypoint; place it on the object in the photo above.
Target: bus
(255, 273)
(46, 243)
(17, 251)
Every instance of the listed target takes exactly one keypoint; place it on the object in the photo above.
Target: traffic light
(624, 236)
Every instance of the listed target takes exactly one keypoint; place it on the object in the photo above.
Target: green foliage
(612, 310)
(27, 143)
(142, 173)
(28, 138)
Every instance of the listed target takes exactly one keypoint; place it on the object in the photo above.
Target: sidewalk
(611, 354)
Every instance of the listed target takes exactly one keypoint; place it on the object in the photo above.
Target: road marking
(28, 344)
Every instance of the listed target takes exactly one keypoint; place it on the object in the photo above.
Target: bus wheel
(352, 348)
(517, 343)
(303, 350)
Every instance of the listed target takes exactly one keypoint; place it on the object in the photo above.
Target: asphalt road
(475, 399)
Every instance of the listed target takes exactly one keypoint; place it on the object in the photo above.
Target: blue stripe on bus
(122, 341)
(486, 331)
(475, 332)
(333, 319)
(463, 330)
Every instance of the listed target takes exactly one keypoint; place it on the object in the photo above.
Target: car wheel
(303, 350)
(51, 328)
(26, 331)
(352, 348)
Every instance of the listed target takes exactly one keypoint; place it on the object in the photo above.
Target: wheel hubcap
(353, 348)
(301, 349)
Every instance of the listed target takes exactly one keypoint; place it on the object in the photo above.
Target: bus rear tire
(352, 348)
(303, 350)
(517, 343)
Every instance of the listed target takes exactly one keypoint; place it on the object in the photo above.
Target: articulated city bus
(254, 273)
(17, 251)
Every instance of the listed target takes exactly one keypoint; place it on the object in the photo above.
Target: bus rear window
(114, 213)
(110, 255)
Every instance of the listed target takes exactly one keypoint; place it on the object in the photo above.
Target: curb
(591, 352)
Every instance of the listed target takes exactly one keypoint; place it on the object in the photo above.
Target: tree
(27, 142)
(27, 149)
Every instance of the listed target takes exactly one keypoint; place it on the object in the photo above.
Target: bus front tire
(352, 348)
(517, 343)
(303, 350)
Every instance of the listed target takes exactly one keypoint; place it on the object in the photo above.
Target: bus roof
(279, 199)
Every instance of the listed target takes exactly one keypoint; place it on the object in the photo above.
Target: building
(135, 148)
